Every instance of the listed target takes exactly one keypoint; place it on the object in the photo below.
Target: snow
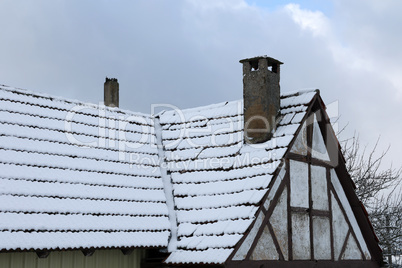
(22, 96)
(84, 132)
(205, 242)
(221, 200)
(209, 256)
(46, 147)
(182, 154)
(286, 130)
(219, 110)
(215, 214)
(298, 92)
(24, 172)
(168, 190)
(274, 188)
(298, 118)
(74, 163)
(79, 222)
(87, 239)
(300, 99)
(238, 226)
(205, 128)
(294, 109)
(39, 188)
(215, 152)
(209, 141)
(287, 118)
(220, 187)
(10, 203)
(218, 175)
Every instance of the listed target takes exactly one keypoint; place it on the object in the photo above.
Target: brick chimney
(111, 92)
(261, 97)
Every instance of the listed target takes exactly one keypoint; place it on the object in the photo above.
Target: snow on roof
(77, 175)
(218, 181)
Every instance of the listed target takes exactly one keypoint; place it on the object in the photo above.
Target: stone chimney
(261, 97)
(111, 92)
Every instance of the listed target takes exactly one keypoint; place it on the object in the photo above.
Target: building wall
(112, 258)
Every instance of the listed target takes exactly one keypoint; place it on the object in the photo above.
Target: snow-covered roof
(68, 177)
(77, 175)
(218, 181)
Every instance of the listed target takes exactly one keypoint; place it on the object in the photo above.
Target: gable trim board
(230, 197)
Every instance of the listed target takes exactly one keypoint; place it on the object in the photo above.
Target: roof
(219, 181)
(77, 175)
(68, 177)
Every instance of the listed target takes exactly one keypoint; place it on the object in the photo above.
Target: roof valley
(168, 187)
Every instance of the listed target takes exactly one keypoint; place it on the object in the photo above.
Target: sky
(186, 53)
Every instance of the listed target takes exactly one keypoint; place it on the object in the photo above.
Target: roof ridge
(299, 92)
(227, 103)
(27, 92)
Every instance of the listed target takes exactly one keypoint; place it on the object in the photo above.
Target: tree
(379, 190)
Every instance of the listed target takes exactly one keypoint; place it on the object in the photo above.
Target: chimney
(111, 92)
(261, 97)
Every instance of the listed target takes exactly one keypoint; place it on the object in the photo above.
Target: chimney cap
(110, 79)
(270, 60)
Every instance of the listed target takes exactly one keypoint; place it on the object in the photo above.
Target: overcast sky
(186, 53)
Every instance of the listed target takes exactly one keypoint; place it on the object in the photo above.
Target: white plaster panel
(319, 191)
(352, 251)
(345, 203)
(321, 238)
(301, 236)
(265, 248)
(319, 149)
(244, 248)
(275, 187)
(298, 184)
(340, 227)
(300, 144)
(279, 222)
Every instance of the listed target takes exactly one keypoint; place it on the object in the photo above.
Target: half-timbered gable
(306, 216)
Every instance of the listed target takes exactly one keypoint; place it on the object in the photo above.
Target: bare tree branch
(377, 189)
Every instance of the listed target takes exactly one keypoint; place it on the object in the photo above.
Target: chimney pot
(261, 97)
(111, 92)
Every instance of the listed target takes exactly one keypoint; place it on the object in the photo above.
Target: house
(254, 183)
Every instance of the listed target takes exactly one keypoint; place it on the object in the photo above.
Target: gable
(326, 231)
(310, 216)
